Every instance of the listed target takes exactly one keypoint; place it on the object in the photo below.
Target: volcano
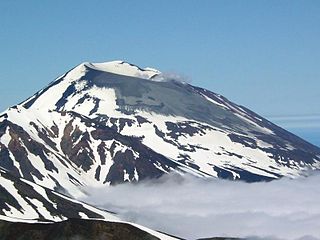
(103, 124)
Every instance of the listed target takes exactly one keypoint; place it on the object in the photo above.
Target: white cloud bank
(195, 208)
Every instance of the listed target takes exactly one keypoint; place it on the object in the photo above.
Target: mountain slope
(22, 200)
(114, 122)
(30, 211)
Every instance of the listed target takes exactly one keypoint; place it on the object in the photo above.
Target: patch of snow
(213, 101)
(83, 215)
(124, 68)
(42, 210)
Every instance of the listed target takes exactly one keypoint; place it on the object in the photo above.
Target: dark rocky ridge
(78, 229)
(72, 229)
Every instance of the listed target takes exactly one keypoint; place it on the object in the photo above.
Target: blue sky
(264, 55)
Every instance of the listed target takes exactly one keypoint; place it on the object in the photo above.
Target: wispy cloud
(172, 76)
(193, 208)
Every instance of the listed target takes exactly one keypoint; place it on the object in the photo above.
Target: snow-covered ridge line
(123, 68)
(23, 200)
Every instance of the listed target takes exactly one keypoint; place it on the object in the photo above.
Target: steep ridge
(30, 211)
(22, 200)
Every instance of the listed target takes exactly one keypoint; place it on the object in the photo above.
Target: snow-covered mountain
(107, 123)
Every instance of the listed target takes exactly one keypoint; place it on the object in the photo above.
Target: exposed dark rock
(79, 229)
(141, 120)
(62, 101)
(97, 174)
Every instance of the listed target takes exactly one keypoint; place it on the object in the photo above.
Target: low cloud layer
(299, 121)
(195, 208)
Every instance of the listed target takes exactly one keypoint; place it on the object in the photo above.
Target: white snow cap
(124, 68)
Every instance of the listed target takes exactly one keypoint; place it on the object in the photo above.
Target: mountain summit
(123, 68)
(114, 122)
